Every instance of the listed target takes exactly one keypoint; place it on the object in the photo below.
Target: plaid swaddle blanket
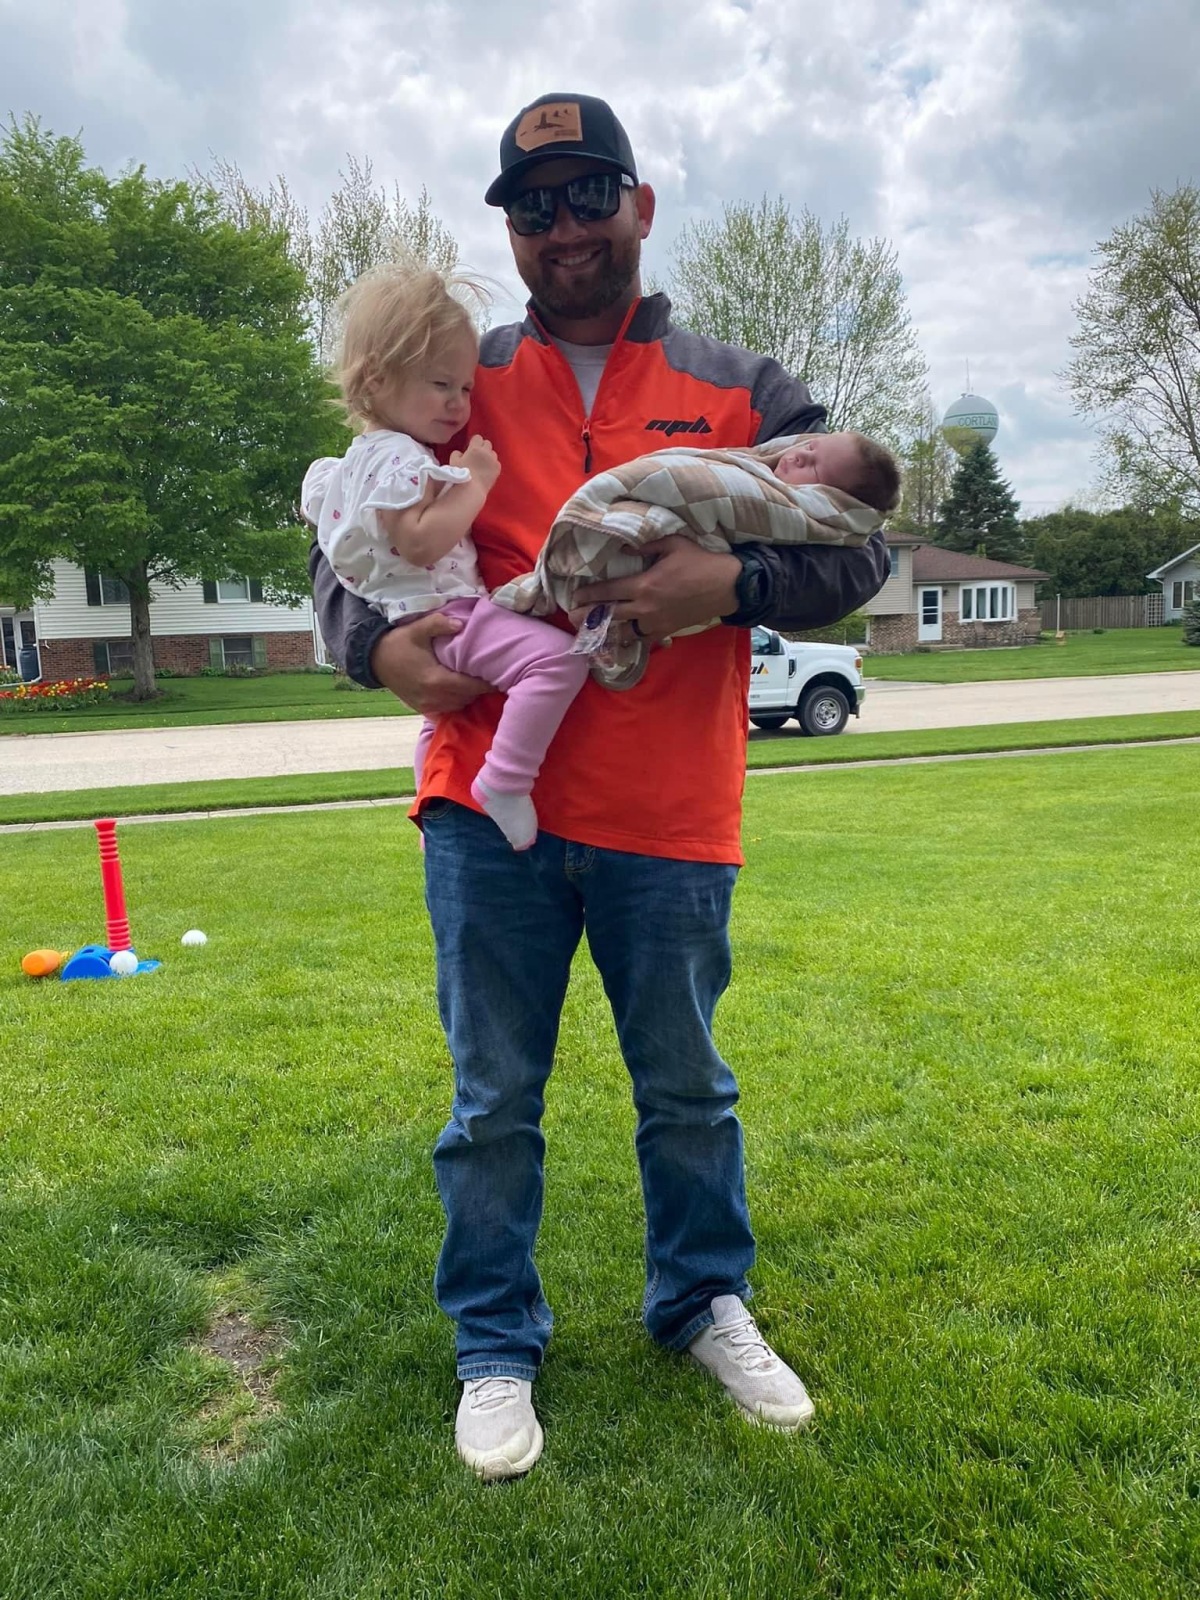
(716, 497)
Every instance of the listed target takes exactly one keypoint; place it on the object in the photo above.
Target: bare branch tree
(929, 464)
(361, 226)
(1136, 367)
(829, 307)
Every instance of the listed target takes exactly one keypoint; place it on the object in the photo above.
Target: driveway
(41, 762)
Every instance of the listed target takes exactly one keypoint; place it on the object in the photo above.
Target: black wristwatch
(752, 590)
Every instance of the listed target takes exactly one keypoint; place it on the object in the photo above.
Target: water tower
(969, 421)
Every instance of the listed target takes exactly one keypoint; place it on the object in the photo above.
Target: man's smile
(573, 259)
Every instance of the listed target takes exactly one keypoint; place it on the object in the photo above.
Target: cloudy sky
(993, 144)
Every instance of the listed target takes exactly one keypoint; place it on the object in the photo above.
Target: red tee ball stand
(116, 918)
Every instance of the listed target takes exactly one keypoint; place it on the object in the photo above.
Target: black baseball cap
(560, 125)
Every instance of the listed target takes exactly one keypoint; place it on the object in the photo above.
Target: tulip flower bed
(67, 694)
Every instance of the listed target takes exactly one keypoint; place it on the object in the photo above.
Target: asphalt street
(42, 762)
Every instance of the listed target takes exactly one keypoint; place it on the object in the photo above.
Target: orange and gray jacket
(661, 383)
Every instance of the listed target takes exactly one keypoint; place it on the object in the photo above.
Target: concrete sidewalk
(39, 763)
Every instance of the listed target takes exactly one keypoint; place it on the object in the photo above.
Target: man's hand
(404, 662)
(684, 587)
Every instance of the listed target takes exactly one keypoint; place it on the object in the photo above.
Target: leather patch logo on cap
(556, 122)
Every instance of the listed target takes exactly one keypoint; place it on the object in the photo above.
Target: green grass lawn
(1084, 655)
(964, 1023)
(188, 702)
(782, 748)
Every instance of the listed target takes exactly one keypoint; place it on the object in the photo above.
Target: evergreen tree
(979, 515)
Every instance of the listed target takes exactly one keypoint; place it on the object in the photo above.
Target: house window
(105, 590)
(231, 590)
(893, 563)
(988, 602)
(1183, 592)
(113, 657)
(112, 591)
(237, 650)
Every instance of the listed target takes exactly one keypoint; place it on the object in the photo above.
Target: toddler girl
(395, 525)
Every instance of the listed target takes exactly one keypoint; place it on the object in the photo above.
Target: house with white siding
(1180, 579)
(84, 628)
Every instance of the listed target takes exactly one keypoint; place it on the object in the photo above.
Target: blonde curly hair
(396, 320)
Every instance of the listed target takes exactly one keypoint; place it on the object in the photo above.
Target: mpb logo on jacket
(700, 425)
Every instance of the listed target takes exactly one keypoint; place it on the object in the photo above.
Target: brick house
(939, 597)
(84, 628)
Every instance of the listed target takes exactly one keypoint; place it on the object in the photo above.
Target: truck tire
(771, 721)
(823, 711)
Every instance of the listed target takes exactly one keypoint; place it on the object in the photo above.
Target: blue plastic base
(92, 962)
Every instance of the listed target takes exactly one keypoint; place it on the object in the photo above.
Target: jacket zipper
(585, 433)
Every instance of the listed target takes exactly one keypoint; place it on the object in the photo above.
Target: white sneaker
(497, 1432)
(764, 1388)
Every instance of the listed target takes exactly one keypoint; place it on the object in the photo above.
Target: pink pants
(530, 661)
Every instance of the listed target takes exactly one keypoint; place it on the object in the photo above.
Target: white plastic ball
(123, 963)
(194, 936)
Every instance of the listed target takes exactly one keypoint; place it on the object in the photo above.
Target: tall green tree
(980, 512)
(362, 225)
(829, 307)
(160, 395)
(1106, 552)
(1136, 367)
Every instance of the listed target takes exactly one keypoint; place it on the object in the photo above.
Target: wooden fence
(1103, 611)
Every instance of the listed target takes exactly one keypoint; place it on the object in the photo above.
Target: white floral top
(384, 471)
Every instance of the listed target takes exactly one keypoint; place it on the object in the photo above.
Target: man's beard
(616, 270)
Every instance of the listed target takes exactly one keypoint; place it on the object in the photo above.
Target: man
(638, 802)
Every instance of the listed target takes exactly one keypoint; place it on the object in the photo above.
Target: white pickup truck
(818, 684)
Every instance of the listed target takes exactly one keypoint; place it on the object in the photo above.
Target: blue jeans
(506, 926)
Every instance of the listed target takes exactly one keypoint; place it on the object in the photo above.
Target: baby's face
(829, 458)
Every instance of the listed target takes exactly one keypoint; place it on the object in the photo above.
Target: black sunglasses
(590, 199)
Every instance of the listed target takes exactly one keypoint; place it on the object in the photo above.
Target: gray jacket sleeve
(349, 627)
(802, 586)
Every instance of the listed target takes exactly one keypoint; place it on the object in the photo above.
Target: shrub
(850, 630)
(1191, 624)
